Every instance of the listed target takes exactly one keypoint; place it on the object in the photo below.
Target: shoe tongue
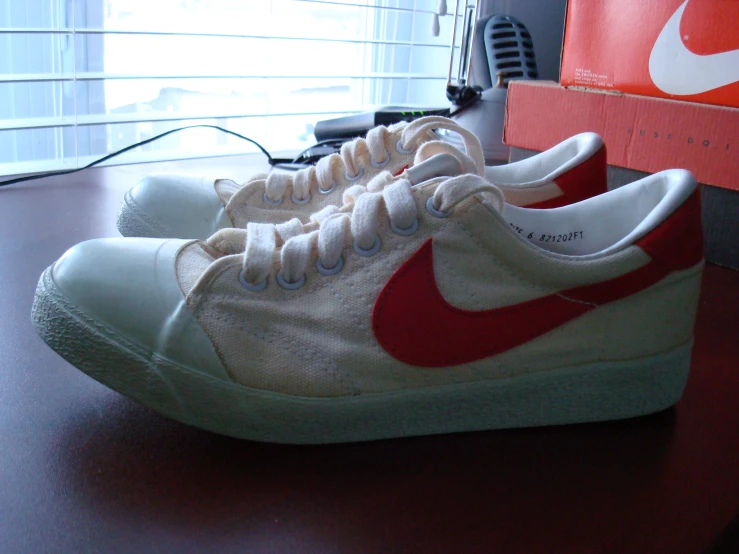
(450, 191)
(192, 261)
(433, 148)
(226, 188)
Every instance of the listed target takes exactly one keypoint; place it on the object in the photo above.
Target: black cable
(459, 108)
(131, 147)
(302, 161)
(326, 142)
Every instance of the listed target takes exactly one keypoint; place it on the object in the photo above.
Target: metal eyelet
(401, 149)
(323, 270)
(248, 286)
(287, 284)
(297, 200)
(383, 163)
(352, 178)
(329, 190)
(367, 253)
(433, 211)
(412, 228)
(271, 202)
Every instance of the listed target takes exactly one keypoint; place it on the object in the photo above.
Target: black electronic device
(310, 155)
(352, 126)
(510, 50)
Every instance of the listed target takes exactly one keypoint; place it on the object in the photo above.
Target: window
(82, 78)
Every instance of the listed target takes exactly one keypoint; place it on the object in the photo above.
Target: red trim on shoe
(583, 181)
(415, 324)
(678, 242)
(400, 171)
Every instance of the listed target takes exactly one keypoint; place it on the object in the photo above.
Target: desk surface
(85, 469)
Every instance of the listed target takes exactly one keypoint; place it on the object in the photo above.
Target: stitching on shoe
(128, 202)
(607, 334)
(271, 338)
(327, 365)
(368, 330)
(62, 304)
(498, 263)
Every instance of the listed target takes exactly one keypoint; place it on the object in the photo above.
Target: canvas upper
(168, 205)
(418, 309)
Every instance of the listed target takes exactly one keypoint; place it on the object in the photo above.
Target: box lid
(640, 132)
(678, 49)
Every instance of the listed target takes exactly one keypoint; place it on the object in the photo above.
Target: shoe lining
(604, 223)
(547, 165)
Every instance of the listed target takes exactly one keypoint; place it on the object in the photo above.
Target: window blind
(82, 78)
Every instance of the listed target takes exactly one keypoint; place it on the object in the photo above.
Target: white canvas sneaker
(167, 205)
(429, 309)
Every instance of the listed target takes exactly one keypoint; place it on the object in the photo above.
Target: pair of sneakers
(399, 288)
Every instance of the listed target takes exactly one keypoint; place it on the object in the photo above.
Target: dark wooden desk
(83, 469)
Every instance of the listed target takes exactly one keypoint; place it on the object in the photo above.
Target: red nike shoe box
(643, 135)
(680, 49)
(648, 134)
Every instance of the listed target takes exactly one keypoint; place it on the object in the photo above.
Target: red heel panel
(678, 242)
(583, 181)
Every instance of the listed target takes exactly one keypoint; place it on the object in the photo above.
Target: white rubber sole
(132, 221)
(592, 392)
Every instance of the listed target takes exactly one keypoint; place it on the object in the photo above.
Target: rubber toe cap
(170, 205)
(130, 287)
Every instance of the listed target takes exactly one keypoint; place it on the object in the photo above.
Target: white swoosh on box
(676, 70)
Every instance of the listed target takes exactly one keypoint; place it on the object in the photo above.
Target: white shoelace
(357, 227)
(325, 175)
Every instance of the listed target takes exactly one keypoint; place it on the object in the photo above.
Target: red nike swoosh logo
(415, 324)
